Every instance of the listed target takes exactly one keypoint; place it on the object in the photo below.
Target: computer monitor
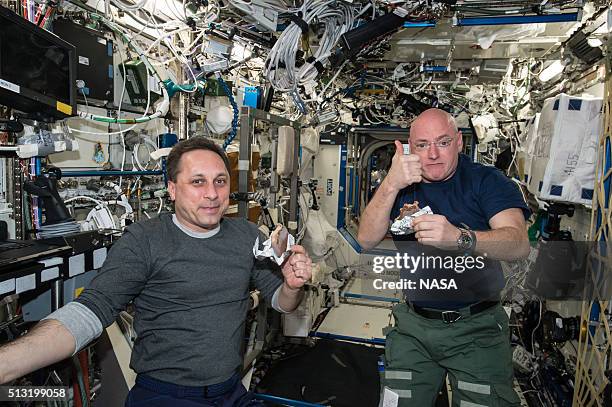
(37, 69)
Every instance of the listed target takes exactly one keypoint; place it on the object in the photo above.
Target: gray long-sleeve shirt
(191, 296)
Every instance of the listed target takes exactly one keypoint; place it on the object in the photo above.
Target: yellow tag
(78, 291)
(64, 108)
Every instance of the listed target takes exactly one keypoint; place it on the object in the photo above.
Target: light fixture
(553, 70)
(434, 42)
(419, 24)
(505, 20)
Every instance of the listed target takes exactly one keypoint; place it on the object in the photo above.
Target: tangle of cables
(412, 76)
(281, 65)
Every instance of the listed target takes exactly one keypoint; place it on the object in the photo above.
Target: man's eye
(197, 181)
(221, 181)
(445, 143)
(421, 146)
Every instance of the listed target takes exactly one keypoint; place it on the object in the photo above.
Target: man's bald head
(432, 116)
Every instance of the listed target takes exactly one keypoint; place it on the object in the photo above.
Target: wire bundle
(412, 77)
(281, 70)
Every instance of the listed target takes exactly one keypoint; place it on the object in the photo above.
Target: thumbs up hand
(405, 169)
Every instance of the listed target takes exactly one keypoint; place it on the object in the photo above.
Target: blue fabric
(472, 196)
(151, 392)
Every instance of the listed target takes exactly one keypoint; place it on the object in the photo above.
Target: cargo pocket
(492, 330)
(502, 319)
(489, 356)
(489, 340)
(389, 351)
(504, 396)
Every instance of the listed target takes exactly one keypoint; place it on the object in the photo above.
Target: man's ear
(172, 190)
(460, 141)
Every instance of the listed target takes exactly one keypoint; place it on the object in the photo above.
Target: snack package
(402, 225)
(277, 247)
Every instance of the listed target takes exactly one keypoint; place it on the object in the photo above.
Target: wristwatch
(466, 241)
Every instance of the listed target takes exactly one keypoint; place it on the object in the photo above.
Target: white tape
(243, 165)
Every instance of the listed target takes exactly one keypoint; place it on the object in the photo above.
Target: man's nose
(210, 191)
(432, 151)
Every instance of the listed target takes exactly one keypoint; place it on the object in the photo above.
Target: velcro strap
(297, 19)
(317, 64)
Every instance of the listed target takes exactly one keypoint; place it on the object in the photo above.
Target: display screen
(31, 61)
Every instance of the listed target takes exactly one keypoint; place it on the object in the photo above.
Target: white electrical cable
(337, 18)
(124, 6)
(305, 210)
(92, 213)
(535, 329)
(174, 10)
(146, 24)
(407, 91)
(85, 198)
(193, 47)
(151, 147)
(165, 37)
(151, 14)
(161, 205)
(121, 133)
(363, 10)
(186, 63)
(412, 76)
(99, 133)
(333, 77)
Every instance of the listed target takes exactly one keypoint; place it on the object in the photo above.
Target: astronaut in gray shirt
(188, 275)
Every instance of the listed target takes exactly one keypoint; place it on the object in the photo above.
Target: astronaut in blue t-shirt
(476, 210)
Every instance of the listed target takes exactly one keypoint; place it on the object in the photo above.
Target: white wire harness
(281, 65)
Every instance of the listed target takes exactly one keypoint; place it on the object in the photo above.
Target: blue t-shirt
(472, 196)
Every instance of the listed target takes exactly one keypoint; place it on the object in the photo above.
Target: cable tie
(297, 20)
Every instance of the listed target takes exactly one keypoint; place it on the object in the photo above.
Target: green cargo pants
(474, 351)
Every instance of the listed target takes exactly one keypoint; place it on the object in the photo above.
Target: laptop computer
(13, 252)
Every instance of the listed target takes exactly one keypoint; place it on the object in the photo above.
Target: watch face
(465, 240)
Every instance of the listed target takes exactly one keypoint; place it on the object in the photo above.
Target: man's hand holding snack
(437, 231)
